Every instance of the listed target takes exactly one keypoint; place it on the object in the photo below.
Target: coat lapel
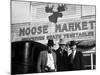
(75, 57)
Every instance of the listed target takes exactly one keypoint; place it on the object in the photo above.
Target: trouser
(50, 70)
(64, 68)
(47, 69)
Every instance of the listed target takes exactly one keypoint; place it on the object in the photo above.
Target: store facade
(77, 23)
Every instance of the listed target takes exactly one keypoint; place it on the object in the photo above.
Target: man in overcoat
(76, 57)
(47, 59)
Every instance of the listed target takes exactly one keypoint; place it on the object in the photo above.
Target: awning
(86, 44)
(93, 50)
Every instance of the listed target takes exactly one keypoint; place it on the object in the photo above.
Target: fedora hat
(68, 43)
(72, 43)
(62, 41)
(50, 43)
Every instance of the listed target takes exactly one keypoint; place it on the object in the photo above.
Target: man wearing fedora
(68, 63)
(47, 59)
(76, 57)
(61, 56)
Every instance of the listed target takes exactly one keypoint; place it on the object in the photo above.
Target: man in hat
(76, 57)
(61, 56)
(68, 64)
(47, 59)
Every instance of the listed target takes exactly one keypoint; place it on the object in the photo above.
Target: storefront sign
(73, 29)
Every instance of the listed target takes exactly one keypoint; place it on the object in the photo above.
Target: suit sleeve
(39, 63)
(81, 61)
(55, 61)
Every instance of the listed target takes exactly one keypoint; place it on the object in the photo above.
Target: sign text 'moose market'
(61, 27)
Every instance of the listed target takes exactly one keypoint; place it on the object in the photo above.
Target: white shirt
(69, 52)
(50, 61)
(74, 52)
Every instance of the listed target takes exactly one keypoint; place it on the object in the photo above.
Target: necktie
(72, 57)
(61, 52)
(49, 51)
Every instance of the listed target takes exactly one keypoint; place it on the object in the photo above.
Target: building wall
(29, 14)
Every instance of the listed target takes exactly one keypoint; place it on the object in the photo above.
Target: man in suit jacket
(76, 57)
(62, 60)
(68, 63)
(47, 59)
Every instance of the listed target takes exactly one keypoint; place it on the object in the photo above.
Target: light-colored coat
(42, 60)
